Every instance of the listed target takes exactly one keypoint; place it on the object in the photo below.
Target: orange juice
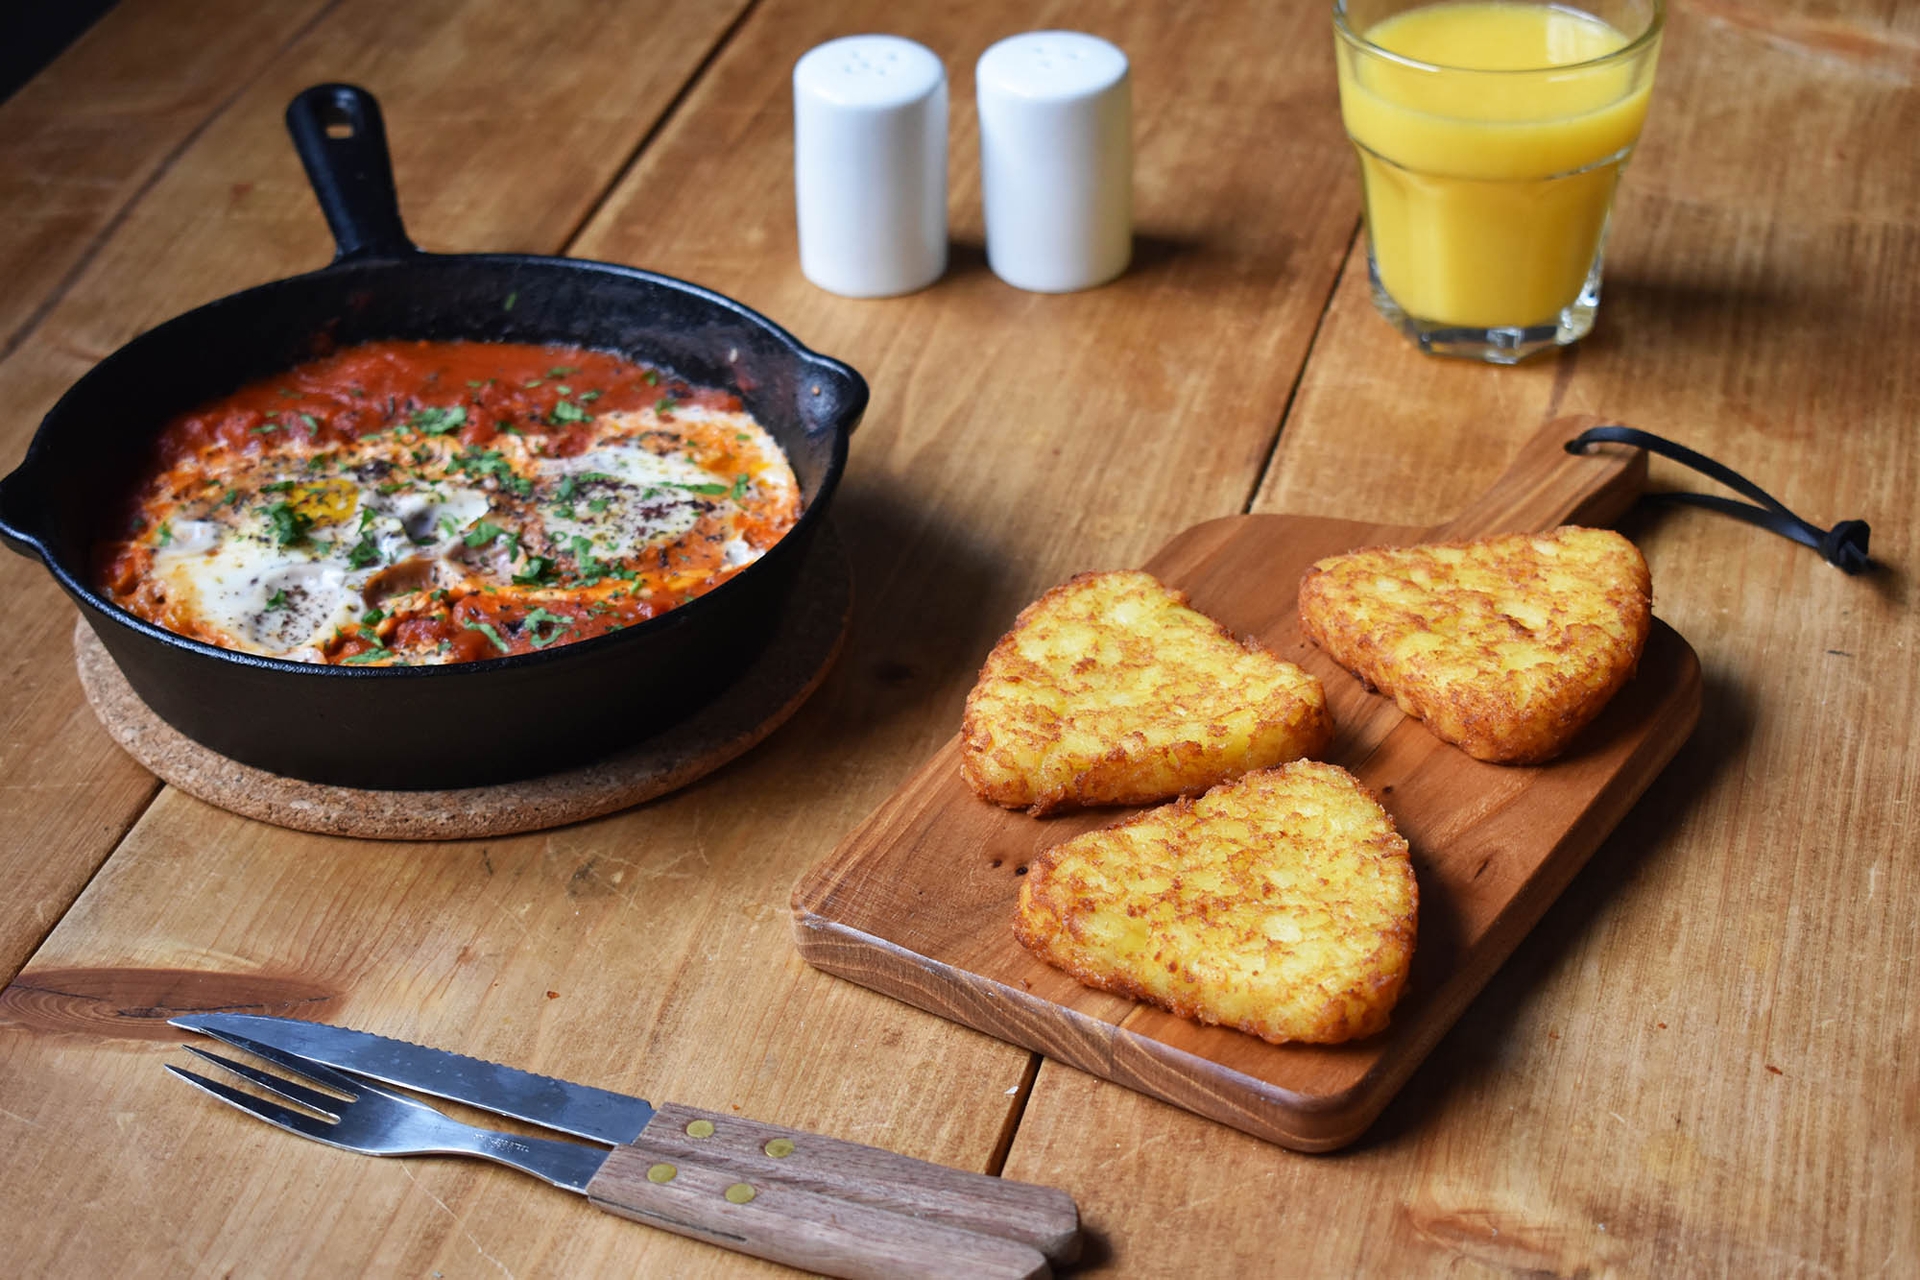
(1491, 135)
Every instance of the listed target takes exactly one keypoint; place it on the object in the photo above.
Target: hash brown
(1111, 689)
(1283, 904)
(1505, 646)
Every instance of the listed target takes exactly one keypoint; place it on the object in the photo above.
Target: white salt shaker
(1056, 160)
(870, 165)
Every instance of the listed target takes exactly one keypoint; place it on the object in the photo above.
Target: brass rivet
(700, 1129)
(779, 1147)
(739, 1193)
(662, 1173)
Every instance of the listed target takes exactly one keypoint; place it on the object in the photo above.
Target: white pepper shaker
(870, 165)
(1056, 160)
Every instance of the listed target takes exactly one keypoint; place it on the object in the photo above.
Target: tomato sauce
(405, 502)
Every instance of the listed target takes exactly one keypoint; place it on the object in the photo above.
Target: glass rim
(1633, 48)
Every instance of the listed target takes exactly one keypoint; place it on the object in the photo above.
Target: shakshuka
(427, 502)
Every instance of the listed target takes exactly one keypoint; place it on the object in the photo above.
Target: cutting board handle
(1546, 486)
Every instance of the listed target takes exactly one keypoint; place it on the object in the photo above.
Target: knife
(644, 1136)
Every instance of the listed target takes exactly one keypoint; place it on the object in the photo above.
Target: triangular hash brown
(1110, 689)
(1505, 647)
(1283, 904)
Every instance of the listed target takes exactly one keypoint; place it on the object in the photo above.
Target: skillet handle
(342, 141)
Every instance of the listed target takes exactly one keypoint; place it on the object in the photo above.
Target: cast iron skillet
(447, 726)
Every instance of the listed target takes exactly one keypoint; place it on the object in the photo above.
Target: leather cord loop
(1844, 545)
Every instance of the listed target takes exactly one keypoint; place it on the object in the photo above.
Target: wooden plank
(1694, 1065)
(81, 141)
(662, 929)
(919, 900)
(233, 209)
(79, 146)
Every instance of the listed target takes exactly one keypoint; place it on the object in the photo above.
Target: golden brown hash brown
(1111, 690)
(1282, 904)
(1505, 647)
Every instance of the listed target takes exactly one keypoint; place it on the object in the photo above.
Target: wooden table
(1701, 1063)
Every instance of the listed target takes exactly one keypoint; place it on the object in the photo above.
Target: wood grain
(799, 1228)
(1043, 1218)
(1695, 1065)
(918, 900)
(81, 141)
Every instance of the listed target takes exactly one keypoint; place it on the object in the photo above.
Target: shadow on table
(1151, 254)
(929, 598)
(1472, 1050)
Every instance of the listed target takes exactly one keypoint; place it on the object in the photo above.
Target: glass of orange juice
(1491, 136)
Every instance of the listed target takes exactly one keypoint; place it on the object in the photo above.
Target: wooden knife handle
(768, 1219)
(1044, 1218)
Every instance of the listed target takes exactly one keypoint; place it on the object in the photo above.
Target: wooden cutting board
(918, 900)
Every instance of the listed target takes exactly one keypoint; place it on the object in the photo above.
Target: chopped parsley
(165, 535)
(538, 570)
(565, 411)
(710, 490)
(591, 566)
(289, 526)
(739, 489)
(375, 654)
(438, 421)
(278, 600)
(486, 629)
(483, 533)
(364, 553)
(480, 463)
(556, 623)
(373, 616)
(665, 404)
(560, 371)
(278, 486)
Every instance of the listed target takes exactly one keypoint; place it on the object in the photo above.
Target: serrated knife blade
(578, 1109)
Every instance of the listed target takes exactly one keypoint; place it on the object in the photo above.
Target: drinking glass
(1491, 137)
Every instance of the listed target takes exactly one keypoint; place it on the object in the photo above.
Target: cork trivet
(771, 690)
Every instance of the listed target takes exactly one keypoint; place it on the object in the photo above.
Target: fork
(779, 1223)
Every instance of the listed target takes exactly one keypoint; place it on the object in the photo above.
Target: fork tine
(272, 1112)
(279, 1086)
(305, 1068)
